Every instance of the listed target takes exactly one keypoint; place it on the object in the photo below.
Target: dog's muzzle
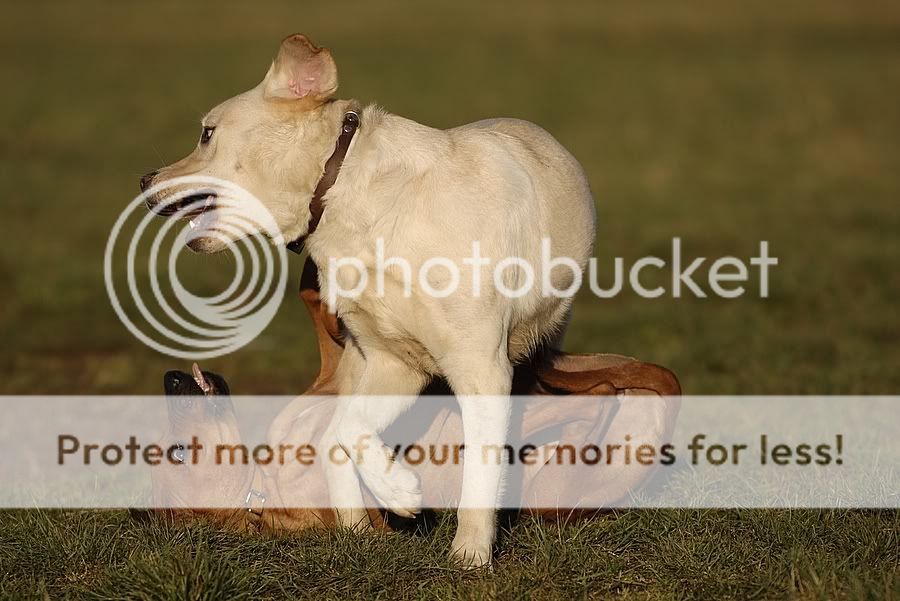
(187, 206)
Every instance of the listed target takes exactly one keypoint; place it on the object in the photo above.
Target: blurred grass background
(720, 123)
(723, 125)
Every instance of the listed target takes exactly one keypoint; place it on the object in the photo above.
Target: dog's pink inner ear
(300, 70)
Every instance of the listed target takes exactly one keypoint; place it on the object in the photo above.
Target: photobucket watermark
(551, 276)
(209, 214)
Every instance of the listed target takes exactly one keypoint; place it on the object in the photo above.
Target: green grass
(723, 124)
(633, 555)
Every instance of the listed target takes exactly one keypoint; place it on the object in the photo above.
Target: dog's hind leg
(482, 386)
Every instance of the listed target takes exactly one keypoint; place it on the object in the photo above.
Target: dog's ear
(200, 379)
(301, 70)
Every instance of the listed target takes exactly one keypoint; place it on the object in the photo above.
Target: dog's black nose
(172, 382)
(147, 180)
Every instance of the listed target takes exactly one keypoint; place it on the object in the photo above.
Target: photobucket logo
(212, 215)
(516, 277)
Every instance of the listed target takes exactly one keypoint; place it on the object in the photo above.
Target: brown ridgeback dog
(290, 486)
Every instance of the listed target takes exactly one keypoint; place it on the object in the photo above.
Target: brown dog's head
(203, 486)
(198, 383)
(272, 141)
(201, 419)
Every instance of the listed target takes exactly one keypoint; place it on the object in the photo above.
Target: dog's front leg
(356, 426)
(482, 388)
(340, 475)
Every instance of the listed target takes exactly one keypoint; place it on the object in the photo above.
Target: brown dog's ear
(200, 379)
(301, 70)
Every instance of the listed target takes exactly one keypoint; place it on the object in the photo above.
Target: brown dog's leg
(599, 375)
(584, 421)
(327, 328)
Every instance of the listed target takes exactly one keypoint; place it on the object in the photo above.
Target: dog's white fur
(427, 193)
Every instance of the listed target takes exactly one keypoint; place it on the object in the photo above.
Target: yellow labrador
(347, 178)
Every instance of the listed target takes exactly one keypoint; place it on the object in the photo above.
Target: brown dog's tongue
(200, 379)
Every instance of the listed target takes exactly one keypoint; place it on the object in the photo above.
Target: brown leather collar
(329, 176)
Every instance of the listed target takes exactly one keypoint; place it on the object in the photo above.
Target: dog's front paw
(469, 554)
(398, 491)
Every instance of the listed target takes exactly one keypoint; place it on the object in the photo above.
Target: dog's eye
(207, 134)
(177, 453)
